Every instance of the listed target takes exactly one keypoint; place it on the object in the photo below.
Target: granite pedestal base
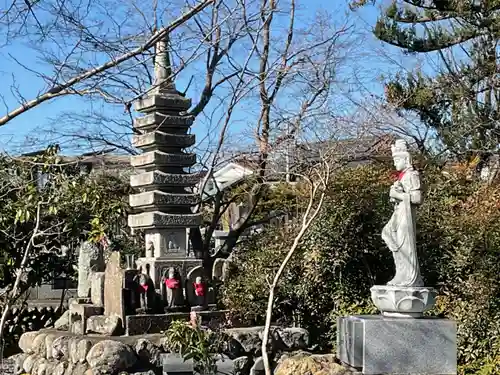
(378, 345)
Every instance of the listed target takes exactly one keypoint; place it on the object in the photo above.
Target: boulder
(294, 338)
(80, 369)
(69, 369)
(241, 365)
(110, 357)
(45, 368)
(105, 325)
(38, 346)
(17, 361)
(301, 364)
(29, 362)
(26, 341)
(60, 368)
(147, 352)
(60, 347)
(62, 323)
(248, 338)
(39, 366)
(49, 341)
(258, 367)
(78, 349)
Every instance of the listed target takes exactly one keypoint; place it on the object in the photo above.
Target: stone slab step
(159, 121)
(159, 178)
(159, 158)
(162, 199)
(157, 219)
(158, 138)
(171, 102)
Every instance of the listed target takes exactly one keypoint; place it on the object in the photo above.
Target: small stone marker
(97, 288)
(113, 287)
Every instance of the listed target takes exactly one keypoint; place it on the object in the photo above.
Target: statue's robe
(400, 232)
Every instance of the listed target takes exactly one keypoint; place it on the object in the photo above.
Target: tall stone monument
(401, 340)
(163, 204)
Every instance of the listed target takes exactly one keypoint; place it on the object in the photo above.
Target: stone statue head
(198, 280)
(143, 279)
(400, 155)
(171, 273)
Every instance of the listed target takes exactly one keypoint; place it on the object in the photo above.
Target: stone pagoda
(163, 203)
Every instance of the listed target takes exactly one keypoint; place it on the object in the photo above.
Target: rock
(258, 367)
(311, 365)
(60, 368)
(78, 349)
(49, 341)
(80, 369)
(110, 357)
(294, 338)
(38, 346)
(148, 352)
(241, 365)
(62, 323)
(45, 368)
(26, 341)
(39, 366)
(97, 288)
(248, 338)
(18, 360)
(105, 325)
(69, 369)
(164, 345)
(60, 347)
(29, 362)
(90, 258)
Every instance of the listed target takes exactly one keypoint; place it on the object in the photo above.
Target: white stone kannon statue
(399, 234)
(405, 295)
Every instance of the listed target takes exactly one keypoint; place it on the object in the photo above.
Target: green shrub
(343, 255)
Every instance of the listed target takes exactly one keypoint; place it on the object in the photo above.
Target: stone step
(159, 178)
(171, 102)
(159, 121)
(157, 198)
(159, 139)
(158, 158)
(157, 219)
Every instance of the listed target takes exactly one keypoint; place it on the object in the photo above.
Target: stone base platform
(50, 351)
(150, 324)
(377, 344)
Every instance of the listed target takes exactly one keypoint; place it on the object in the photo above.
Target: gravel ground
(7, 367)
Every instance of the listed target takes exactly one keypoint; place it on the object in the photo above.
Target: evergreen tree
(460, 102)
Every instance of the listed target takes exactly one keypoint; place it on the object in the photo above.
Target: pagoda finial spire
(163, 80)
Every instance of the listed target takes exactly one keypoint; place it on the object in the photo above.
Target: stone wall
(60, 353)
(21, 320)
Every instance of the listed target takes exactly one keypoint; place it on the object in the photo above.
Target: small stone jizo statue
(200, 291)
(171, 288)
(146, 291)
(399, 233)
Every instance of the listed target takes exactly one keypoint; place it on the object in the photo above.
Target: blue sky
(19, 133)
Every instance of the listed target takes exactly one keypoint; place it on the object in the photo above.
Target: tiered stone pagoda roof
(164, 200)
